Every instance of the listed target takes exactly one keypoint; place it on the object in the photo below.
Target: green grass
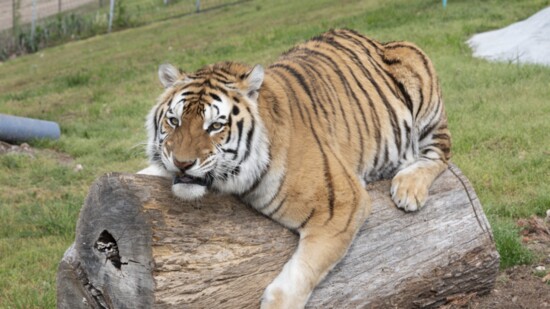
(100, 90)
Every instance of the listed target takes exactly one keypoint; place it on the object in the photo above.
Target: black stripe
(240, 133)
(222, 90)
(427, 130)
(384, 74)
(420, 93)
(435, 113)
(396, 129)
(157, 157)
(156, 122)
(301, 80)
(376, 120)
(326, 169)
(427, 67)
(217, 109)
(228, 136)
(349, 93)
(288, 93)
(331, 65)
(436, 145)
(233, 151)
(408, 135)
(306, 220)
(279, 188)
(415, 50)
(224, 70)
(322, 91)
(444, 136)
(235, 110)
(236, 171)
(220, 77)
(351, 185)
(393, 117)
(258, 180)
(274, 104)
(271, 213)
(249, 136)
(406, 95)
(432, 122)
(215, 97)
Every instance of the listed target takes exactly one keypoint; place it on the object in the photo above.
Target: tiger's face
(205, 130)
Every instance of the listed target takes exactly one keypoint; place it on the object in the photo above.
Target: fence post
(111, 13)
(33, 24)
(59, 6)
(14, 16)
(198, 5)
(166, 2)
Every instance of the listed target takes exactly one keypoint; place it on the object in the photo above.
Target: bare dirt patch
(26, 149)
(526, 286)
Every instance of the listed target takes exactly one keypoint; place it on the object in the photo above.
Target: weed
(508, 244)
(77, 79)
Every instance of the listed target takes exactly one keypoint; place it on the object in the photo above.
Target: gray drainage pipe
(21, 129)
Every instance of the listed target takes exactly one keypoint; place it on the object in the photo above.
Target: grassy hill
(100, 89)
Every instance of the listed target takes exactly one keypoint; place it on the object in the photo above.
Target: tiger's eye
(173, 121)
(216, 126)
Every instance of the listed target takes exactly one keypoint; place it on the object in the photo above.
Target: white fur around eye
(217, 112)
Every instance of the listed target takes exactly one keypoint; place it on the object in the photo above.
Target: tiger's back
(376, 108)
(374, 102)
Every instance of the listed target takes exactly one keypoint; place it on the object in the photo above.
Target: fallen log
(137, 246)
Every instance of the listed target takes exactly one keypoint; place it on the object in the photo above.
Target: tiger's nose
(183, 165)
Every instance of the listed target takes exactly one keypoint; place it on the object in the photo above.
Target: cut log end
(137, 246)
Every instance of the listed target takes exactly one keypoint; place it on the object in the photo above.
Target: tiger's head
(205, 129)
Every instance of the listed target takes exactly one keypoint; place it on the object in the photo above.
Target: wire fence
(29, 25)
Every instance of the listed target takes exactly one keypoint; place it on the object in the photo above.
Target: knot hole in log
(107, 245)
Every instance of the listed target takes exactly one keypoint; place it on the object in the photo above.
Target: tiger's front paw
(272, 299)
(281, 297)
(409, 190)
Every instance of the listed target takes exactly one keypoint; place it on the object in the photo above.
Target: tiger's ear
(254, 80)
(169, 74)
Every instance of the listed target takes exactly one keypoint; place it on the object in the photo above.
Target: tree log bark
(137, 246)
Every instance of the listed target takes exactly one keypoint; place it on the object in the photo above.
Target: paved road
(44, 8)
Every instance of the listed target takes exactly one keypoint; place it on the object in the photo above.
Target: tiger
(300, 140)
